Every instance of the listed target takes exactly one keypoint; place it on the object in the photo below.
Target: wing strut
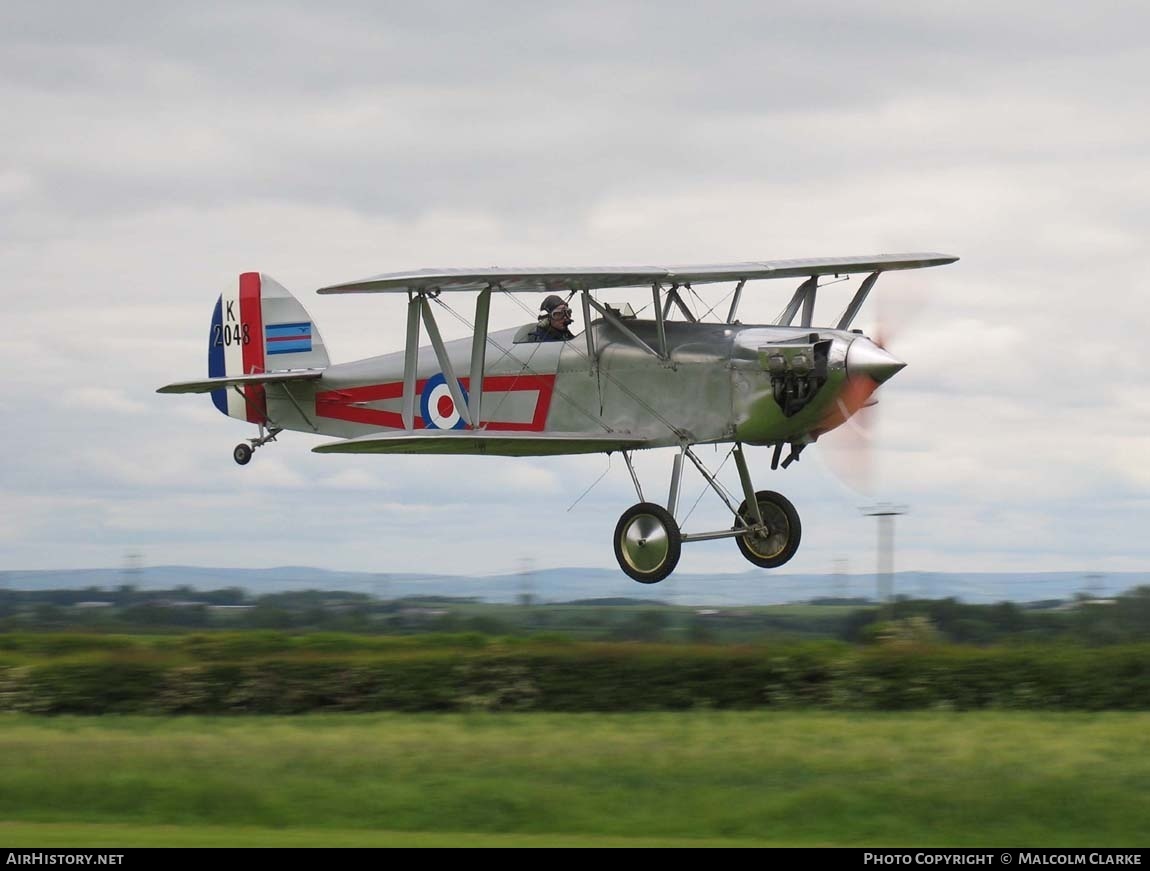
(444, 360)
(673, 296)
(807, 288)
(659, 322)
(418, 306)
(735, 301)
(667, 300)
(856, 303)
(411, 360)
(809, 302)
(479, 354)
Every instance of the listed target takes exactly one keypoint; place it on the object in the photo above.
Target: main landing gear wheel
(647, 542)
(242, 454)
(779, 542)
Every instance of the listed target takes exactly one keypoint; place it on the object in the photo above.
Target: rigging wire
(593, 483)
(703, 302)
(707, 486)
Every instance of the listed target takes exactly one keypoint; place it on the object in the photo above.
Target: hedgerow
(281, 675)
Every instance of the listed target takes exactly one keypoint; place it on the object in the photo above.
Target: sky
(153, 151)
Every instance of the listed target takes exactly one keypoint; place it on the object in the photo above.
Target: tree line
(1122, 619)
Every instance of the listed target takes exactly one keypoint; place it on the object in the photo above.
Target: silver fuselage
(718, 383)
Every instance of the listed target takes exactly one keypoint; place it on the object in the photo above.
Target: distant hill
(569, 584)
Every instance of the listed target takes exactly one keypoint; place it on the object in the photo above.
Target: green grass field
(701, 778)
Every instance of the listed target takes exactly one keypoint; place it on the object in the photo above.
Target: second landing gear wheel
(778, 543)
(647, 542)
(242, 454)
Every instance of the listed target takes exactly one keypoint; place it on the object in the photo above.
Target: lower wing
(503, 444)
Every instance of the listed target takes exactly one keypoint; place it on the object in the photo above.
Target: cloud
(152, 153)
(100, 398)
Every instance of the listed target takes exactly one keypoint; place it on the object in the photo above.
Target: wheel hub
(769, 539)
(645, 542)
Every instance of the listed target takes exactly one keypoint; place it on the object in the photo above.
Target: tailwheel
(778, 540)
(242, 453)
(647, 542)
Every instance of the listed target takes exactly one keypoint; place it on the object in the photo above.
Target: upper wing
(505, 444)
(502, 279)
(543, 280)
(209, 384)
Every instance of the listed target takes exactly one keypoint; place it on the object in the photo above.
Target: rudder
(257, 327)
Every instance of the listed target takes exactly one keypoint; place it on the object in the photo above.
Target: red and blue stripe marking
(353, 404)
(288, 338)
(236, 347)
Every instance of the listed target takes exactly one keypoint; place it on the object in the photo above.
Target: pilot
(554, 319)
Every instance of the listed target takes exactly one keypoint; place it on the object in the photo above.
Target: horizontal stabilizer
(210, 384)
(503, 444)
(544, 280)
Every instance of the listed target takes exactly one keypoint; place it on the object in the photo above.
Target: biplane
(670, 379)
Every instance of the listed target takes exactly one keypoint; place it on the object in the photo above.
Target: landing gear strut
(242, 453)
(648, 540)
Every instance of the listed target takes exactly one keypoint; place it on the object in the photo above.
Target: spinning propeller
(848, 449)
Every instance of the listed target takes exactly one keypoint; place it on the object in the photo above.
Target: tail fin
(257, 327)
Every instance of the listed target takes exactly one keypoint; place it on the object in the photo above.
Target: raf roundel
(437, 407)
